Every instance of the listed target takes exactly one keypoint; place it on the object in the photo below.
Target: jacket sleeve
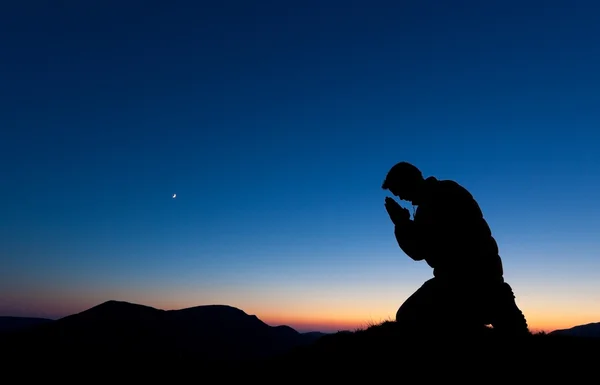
(458, 225)
(430, 235)
(408, 238)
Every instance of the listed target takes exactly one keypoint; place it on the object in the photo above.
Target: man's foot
(507, 318)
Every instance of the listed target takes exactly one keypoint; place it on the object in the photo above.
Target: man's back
(459, 240)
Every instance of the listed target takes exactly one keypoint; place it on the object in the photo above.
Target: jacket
(449, 232)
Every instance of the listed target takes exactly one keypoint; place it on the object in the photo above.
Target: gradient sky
(275, 123)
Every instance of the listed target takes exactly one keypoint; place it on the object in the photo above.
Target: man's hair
(402, 171)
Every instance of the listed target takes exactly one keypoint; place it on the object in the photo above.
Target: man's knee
(421, 306)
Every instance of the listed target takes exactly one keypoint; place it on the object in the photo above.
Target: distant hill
(591, 330)
(315, 335)
(11, 324)
(122, 329)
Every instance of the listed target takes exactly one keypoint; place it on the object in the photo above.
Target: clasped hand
(397, 213)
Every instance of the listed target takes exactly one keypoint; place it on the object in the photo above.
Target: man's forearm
(408, 240)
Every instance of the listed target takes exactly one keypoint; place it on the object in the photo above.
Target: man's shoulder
(449, 189)
(446, 184)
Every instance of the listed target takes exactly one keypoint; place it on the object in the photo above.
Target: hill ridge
(125, 328)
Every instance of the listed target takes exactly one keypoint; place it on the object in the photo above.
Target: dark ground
(98, 350)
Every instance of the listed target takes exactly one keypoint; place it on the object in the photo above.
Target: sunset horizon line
(301, 324)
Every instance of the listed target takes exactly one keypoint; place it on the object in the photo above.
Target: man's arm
(456, 223)
(408, 239)
(405, 230)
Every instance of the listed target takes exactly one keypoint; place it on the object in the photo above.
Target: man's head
(404, 181)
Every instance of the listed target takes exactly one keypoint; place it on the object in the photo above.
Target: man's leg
(420, 311)
(460, 306)
(439, 310)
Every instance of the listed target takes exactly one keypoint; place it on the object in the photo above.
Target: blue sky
(275, 123)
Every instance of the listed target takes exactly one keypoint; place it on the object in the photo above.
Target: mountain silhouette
(11, 324)
(591, 330)
(122, 329)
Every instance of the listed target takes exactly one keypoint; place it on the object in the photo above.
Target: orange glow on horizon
(319, 324)
(302, 316)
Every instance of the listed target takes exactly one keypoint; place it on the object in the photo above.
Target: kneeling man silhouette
(449, 232)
